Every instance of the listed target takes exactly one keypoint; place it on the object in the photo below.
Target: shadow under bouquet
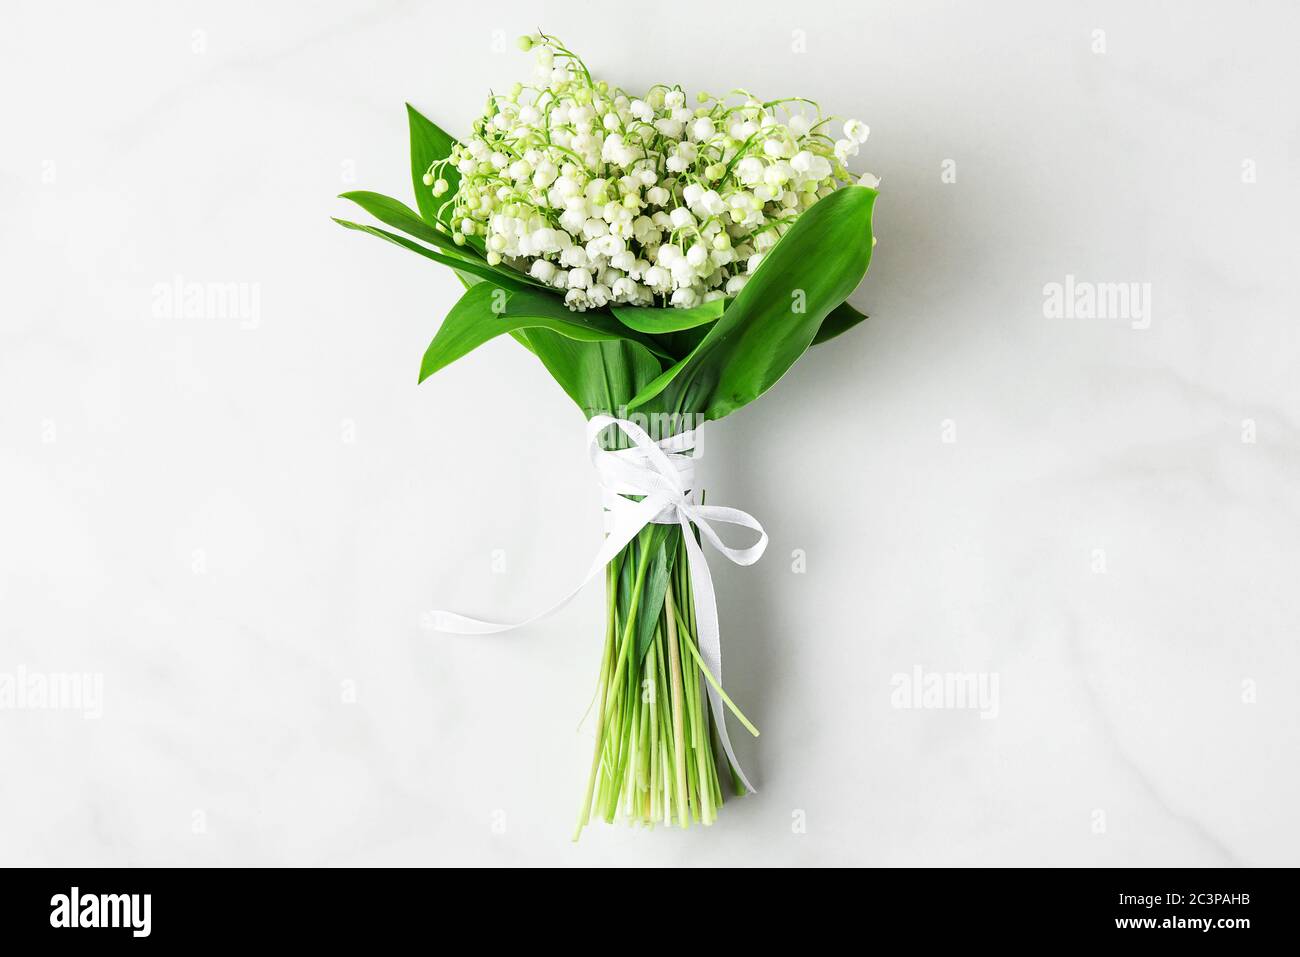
(666, 261)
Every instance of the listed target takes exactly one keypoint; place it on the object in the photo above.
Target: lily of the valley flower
(615, 198)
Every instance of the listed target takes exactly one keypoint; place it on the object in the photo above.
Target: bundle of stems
(654, 757)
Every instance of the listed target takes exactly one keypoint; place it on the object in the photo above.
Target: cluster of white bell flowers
(611, 198)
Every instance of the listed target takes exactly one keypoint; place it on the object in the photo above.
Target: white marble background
(239, 524)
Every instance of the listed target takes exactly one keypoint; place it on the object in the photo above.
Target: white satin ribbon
(664, 473)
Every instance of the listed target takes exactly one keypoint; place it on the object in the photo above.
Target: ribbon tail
(709, 640)
(628, 522)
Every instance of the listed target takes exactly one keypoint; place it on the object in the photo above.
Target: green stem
(584, 815)
(679, 732)
(629, 627)
(655, 758)
(740, 715)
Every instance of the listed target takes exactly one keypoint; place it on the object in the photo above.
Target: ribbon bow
(663, 473)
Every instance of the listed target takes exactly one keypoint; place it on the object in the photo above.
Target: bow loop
(703, 515)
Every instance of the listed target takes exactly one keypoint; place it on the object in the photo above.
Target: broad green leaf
(487, 310)
(465, 264)
(601, 377)
(842, 318)
(811, 270)
(397, 214)
(469, 279)
(428, 144)
(660, 320)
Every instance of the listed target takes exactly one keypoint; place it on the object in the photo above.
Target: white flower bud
(545, 241)
(750, 170)
(574, 256)
(669, 128)
(777, 149)
(668, 254)
(856, 130)
(681, 218)
(545, 173)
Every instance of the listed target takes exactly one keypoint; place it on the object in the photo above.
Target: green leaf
(545, 303)
(469, 279)
(626, 577)
(658, 573)
(429, 144)
(842, 318)
(486, 311)
(397, 214)
(656, 386)
(684, 341)
(601, 377)
(463, 264)
(660, 320)
(811, 270)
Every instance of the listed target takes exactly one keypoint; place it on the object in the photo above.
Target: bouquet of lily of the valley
(666, 260)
